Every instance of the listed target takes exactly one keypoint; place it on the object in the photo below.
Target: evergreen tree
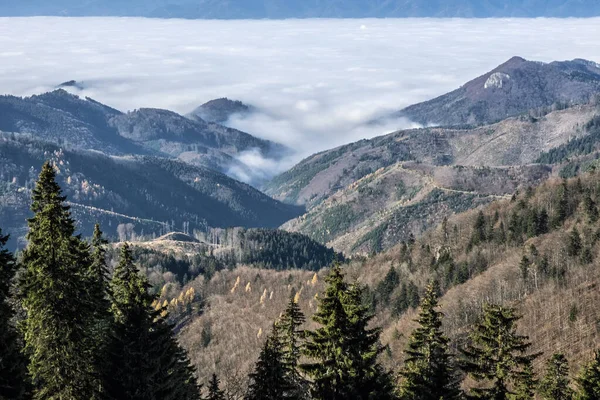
(291, 336)
(574, 245)
(387, 285)
(589, 380)
(214, 392)
(591, 209)
(428, 373)
(533, 223)
(13, 366)
(562, 207)
(344, 350)
(555, 383)
(497, 355)
(56, 296)
(543, 222)
(97, 275)
(144, 360)
(270, 379)
(526, 384)
(524, 267)
(479, 231)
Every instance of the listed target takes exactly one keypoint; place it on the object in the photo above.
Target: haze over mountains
(153, 169)
(414, 176)
(66, 119)
(259, 9)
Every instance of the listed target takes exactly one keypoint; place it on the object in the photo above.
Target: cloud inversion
(316, 82)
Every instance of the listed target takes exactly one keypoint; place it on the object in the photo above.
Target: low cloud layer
(316, 82)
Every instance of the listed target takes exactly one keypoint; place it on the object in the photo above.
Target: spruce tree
(428, 373)
(214, 392)
(97, 275)
(555, 383)
(13, 366)
(344, 349)
(526, 384)
(291, 336)
(144, 360)
(588, 381)
(56, 297)
(270, 379)
(388, 285)
(497, 356)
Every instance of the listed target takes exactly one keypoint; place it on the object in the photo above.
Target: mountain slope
(229, 9)
(66, 119)
(513, 88)
(154, 194)
(369, 195)
(500, 256)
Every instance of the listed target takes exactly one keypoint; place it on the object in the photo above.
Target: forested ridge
(62, 309)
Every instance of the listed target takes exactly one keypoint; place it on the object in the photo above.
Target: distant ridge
(277, 9)
(511, 89)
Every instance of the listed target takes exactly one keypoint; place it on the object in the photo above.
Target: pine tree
(291, 336)
(344, 350)
(588, 381)
(13, 366)
(56, 297)
(555, 383)
(428, 373)
(497, 355)
(270, 379)
(144, 360)
(214, 392)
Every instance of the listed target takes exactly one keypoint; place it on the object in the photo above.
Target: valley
(493, 201)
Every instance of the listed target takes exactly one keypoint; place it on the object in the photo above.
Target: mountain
(260, 9)
(68, 120)
(370, 195)
(207, 253)
(500, 253)
(513, 88)
(220, 110)
(130, 195)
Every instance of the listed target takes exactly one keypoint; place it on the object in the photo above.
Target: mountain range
(369, 195)
(260, 9)
(147, 171)
(83, 123)
(496, 198)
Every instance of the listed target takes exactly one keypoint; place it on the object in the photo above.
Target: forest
(70, 328)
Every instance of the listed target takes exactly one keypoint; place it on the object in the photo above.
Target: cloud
(316, 83)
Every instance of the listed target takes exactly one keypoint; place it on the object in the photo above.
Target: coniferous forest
(71, 329)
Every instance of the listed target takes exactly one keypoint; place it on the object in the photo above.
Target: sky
(317, 83)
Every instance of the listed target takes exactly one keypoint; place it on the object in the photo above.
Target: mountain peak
(220, 110)
(514, 87)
